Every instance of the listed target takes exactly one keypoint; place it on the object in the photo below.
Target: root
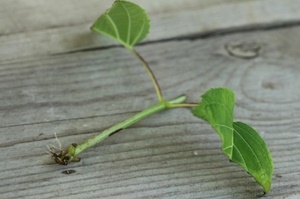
(59, 155)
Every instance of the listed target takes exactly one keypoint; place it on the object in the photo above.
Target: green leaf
(241, 143)
(125, 22)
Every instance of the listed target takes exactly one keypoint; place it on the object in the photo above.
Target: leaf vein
(114, 26)
(241, 157)
(140, 33)
(250, 135)
(213, 103)
(255, 155)
(222, 125)
(129, 24)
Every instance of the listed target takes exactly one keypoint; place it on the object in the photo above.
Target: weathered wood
(169, 155)
(51, 27)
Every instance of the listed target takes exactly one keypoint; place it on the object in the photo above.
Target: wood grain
(169, 155)
(45, 28)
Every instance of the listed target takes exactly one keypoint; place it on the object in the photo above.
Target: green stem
(150, 73)
(185, 105)
(65, 157)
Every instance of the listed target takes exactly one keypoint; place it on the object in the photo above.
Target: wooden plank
(28, 28)
(32, 15)
(170, 155)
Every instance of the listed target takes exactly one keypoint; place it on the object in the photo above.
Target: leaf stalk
(150, 73)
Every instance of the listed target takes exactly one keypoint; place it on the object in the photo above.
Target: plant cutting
(128, 24)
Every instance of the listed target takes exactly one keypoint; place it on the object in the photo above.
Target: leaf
(125, 22)
(241, 143)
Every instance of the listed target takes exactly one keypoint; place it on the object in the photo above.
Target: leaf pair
(241, 143)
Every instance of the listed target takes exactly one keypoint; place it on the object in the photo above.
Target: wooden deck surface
(58, 77)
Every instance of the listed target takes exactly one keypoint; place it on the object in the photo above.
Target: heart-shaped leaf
(241, 143)
(125, 22)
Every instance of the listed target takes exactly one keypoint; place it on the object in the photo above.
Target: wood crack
(198, 36)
